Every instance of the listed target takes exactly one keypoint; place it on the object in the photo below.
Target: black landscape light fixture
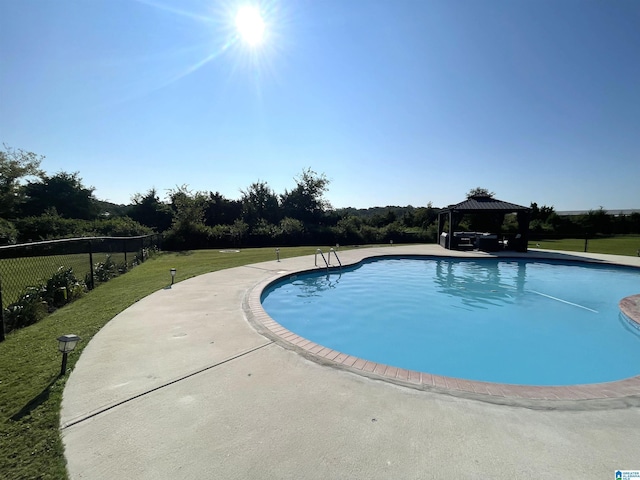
(278, 254)
(66, 343)
(173, 275)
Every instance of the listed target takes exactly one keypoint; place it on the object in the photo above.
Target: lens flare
(250, 25)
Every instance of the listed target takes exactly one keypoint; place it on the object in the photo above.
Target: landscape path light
(66, 344)
(173, 275)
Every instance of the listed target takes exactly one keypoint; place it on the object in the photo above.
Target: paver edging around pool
(616, 394)
(630, 307)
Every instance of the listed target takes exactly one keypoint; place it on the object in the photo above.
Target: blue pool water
(507, 321)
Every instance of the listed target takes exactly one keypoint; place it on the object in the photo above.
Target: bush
(50, 226)
(120, 227)
(29, 309)
(105, 271)
(8, 232)
(37, 301)
(62, 288)
(290, 230)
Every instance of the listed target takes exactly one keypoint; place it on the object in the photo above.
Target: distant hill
(109, 209)
(372, 211)
(610, 211)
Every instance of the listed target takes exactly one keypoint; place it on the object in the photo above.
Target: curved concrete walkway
(180, 385)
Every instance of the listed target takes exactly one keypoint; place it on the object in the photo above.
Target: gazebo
(488, 214)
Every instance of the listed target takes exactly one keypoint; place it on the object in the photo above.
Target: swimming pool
(508, 321)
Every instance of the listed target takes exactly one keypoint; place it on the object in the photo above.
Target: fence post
(124, 247)
(1, 314)
(93, 283)
(586, 243)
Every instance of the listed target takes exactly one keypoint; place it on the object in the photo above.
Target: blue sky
(397, 102)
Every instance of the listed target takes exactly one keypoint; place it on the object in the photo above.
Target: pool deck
(197, 382)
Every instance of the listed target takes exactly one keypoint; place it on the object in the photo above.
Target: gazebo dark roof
(476, 203)
(492, 209)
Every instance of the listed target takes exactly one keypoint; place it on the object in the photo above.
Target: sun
(250, 25)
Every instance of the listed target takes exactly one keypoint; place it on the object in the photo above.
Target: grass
(618, 245)
(30, 388)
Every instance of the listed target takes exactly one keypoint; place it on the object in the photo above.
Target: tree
(260, 202)
(634, 220)
(188, 207)
(425, 216)
(306, 201)
(479, 192)
(188, 230)
(379, 220)
(597, 221)
(540, 213)
(221, 211)
(63, 191)
(15, 165)
(148, 210)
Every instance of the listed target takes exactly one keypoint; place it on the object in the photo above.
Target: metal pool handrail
(335, 254)
(318, 251)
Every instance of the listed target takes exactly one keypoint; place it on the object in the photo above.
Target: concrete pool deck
(182, 385)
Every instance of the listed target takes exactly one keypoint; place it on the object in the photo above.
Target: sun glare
(250, 25)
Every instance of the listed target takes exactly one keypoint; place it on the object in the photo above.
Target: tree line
(35, 205)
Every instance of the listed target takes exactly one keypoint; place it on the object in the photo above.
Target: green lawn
(30, 389)
(619, 245)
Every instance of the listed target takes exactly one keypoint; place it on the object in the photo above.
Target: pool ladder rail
(327, 263)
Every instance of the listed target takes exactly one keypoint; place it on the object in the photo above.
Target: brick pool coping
(630, 307)
(620, 389)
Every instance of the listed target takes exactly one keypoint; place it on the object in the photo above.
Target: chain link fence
(32, 265)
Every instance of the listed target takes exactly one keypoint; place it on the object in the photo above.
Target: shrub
(8, 232)
(105, 271)
(50, 225)
(62, 288)
(432, 233)
(187, 236)
(37, 301)
(120, 227)
(29, 309)
(290, 229)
